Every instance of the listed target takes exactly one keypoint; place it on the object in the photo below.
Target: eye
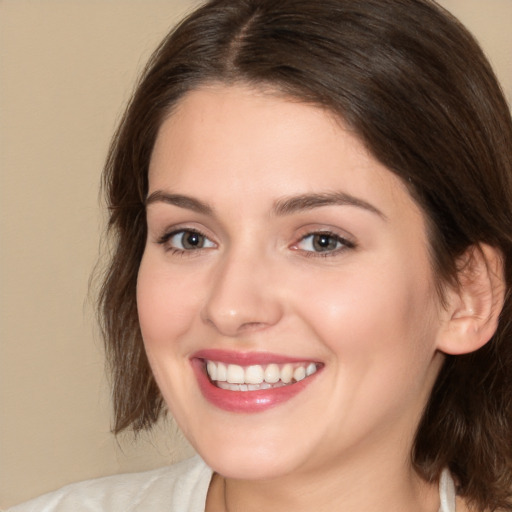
(323, 243)
(186, 240)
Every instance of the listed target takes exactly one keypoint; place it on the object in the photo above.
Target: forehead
(235, 141)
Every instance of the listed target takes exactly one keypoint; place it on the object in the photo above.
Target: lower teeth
(249, 387)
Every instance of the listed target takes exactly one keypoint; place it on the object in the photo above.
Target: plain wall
(66, 70)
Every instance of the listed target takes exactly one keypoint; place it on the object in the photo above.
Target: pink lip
(245, 401)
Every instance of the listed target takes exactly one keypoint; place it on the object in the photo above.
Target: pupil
(324, 242)
(192, 241)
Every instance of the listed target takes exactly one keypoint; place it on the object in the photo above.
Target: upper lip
(247, 358)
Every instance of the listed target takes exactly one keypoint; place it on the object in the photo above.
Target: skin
(367, 310)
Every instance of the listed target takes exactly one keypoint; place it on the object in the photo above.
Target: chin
(255, 466)
(260, 456)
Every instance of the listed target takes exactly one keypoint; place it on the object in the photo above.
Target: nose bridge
(241, 296)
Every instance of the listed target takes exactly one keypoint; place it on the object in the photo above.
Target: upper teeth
(257, 374)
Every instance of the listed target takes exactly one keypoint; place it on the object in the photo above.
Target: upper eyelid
(331, 232)
(159, 226)
(344, 236)
(169, 233)
(170, 229)
(327, 230)
(345, 240)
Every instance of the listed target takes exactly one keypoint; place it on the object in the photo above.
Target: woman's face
(287, 262)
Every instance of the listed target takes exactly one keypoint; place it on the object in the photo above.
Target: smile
(251, 382)
(257, 377)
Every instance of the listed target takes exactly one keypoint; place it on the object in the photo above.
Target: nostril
(252, 326)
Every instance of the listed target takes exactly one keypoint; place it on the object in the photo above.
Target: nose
(242, 297)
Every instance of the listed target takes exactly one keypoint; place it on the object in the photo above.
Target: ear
(474, 307)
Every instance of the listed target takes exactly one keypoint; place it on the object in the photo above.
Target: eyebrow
(179, 200)
(294, 204)
(281, 207)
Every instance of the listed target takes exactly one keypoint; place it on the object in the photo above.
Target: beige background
(66, 70)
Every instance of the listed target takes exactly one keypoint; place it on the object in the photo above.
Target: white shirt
(181, 487)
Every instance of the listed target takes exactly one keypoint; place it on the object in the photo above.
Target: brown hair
(415, 86)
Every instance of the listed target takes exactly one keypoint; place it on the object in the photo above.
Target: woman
(311, 203)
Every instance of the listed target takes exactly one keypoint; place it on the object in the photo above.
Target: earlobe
(474, 307)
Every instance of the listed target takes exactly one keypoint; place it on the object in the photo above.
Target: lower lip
(246, 401)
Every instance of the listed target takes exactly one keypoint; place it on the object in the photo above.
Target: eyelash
(345, 243)
(165, 238)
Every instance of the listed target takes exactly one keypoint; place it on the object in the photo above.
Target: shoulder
(175, 488)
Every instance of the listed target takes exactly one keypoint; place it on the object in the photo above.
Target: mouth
(251, 382)
(256, 377)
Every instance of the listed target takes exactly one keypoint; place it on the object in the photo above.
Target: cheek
(167, 308)
(386, 311)
(379, 330)
(165, 304)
